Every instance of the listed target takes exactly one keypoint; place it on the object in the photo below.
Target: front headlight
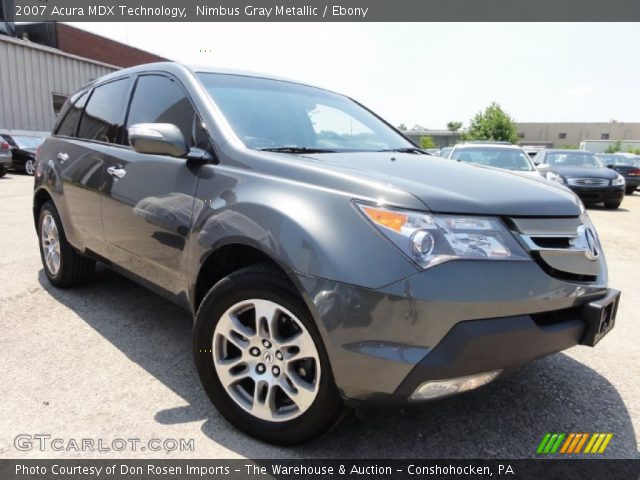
(619, 180)
(554, 177)
(429, 239)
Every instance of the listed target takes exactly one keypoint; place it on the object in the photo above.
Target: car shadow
(602, 208)
(506, 419)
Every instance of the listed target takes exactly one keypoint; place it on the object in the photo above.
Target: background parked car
(5, 157)
(24, 151)
(626, 165)
(583, 173)
(504, 156)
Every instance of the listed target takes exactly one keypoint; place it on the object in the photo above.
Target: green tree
(614, 147)
(402, 127)
(492, 124)
(454, 126)
(426, 141)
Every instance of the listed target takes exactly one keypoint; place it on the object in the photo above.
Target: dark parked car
(583, 173)
(24, 151)
(5, 157)
(627, 166)
(326, 260)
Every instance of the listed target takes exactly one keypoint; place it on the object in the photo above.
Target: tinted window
(159, 99)
(70, 115)
(102, 119)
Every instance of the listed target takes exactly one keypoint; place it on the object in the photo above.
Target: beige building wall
(560, 134)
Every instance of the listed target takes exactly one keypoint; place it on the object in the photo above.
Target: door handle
(63, 157)
(116, 172)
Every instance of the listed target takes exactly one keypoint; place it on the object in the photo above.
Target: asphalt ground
(112, 360)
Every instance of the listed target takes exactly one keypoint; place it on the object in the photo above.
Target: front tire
(261, 360)
(63, 266)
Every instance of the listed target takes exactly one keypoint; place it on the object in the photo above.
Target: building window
(604, 136)
(520, 134)
(58, 101)
(562, 135)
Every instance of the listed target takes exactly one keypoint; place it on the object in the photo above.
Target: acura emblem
(587, 240)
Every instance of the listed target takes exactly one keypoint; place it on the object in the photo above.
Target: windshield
(27, 142)
(272, 114)
(573, 159)
(507, 158)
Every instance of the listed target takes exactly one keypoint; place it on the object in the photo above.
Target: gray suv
(327, 261)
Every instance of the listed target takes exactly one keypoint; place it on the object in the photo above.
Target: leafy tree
(614, 147)
(426, 141)
(418, 128)
(492, 124)
(402, 127)
(454, 126)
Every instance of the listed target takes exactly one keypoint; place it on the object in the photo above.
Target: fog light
(443, 388)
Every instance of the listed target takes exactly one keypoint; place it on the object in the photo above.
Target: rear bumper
(632, 181)
(597, 195)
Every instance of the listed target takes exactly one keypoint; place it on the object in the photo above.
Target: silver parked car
(5, 157)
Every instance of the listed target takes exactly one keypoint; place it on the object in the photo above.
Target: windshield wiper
(297, 150)
(406, 150)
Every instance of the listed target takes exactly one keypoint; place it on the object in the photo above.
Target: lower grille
(587, 182)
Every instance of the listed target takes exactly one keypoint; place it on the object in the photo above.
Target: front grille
(558, 246)
(587, 182)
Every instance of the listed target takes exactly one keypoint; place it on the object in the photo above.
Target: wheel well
(40, 198)
(224, 261)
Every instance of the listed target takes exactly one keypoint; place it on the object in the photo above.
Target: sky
(425, 73)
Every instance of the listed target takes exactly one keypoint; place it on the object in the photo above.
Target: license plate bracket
(600, 316)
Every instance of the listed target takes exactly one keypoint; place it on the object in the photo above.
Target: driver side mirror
(543, 167)
(158, 139)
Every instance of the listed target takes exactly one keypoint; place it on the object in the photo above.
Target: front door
(148, 199)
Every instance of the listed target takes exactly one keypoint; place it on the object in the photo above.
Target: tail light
(4, 146)
(634, 173)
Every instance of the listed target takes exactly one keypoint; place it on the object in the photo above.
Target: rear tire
(63, 266)
(267, 405)
(612, 205)
(30, 167)
(630, 190)
(3, 171)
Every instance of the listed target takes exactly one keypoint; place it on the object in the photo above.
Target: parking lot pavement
(113, 361)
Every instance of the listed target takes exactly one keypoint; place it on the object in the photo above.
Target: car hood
(578, 172)
(456, 187)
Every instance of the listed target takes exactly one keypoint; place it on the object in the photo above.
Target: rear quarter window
(70, 114)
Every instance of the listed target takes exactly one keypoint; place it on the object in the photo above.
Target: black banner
(317, 469)
(326, 10)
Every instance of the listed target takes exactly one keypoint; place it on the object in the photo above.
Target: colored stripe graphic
(573, 443)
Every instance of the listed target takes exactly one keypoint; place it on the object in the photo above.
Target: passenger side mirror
(158, 139)
(543, 167)
(610, 165)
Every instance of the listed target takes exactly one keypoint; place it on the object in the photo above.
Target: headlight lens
(431, 239)
(554, 177)
(619, 180)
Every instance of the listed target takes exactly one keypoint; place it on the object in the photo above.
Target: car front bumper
(599, 194)
(457, 319)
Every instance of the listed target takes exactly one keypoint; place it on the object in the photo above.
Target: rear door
(89, 130)
(148, 199)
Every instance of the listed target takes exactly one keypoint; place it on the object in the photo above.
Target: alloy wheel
(50, 243)
(30, 167)
(266, 360)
